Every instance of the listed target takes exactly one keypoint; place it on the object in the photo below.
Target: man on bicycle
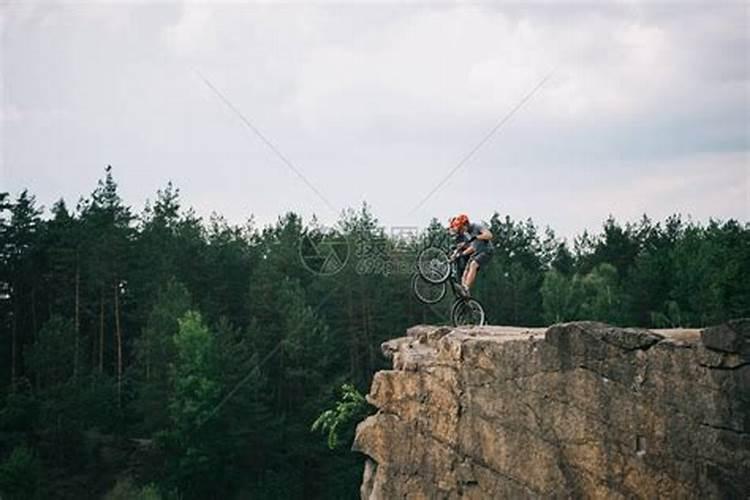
(474, 247)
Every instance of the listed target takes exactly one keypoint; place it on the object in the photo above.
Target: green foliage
(272, 485)
(194, 373)
(93, 402)
(126, 489)
(229, 393)
(50, 357)
(155, 352)
(510, 287)
(561, 296)
(21, 475)
(595, 296)
(193, 438)
(670, 317)
(20, 412)
(351, 408)
(602, 297)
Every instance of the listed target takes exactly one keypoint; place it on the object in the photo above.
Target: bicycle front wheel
(426, 292)
(467, 312)
(434, 265)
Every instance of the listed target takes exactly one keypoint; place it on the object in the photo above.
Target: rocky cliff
(580, 410)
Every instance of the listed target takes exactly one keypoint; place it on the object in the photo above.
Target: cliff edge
(580, 410)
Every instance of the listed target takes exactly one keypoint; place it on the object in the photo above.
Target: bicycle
(436, 269)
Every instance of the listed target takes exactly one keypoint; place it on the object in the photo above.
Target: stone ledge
(578, 409)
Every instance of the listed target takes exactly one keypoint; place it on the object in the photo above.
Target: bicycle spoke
(433, 264)
(429, 293)
(468, 312)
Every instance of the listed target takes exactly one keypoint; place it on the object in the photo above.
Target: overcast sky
(647, 108)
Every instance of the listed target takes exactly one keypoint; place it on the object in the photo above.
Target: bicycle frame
(454, 276)
(455, 279)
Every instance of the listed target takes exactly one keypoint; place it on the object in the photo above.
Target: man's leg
(471, 274)
(461, 267)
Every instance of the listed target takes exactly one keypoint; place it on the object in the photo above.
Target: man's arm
(485, 235)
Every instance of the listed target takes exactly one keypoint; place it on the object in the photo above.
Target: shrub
(350, 409)
(21, 475)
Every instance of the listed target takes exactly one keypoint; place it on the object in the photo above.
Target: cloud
(704, 185)
(193, 32)
(646, 109)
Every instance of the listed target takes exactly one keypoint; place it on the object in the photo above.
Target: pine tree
(106, 221)
(603, 299)
(6, 306)
(560, 296)
(23, 258)
(192, 440)
(155, 353)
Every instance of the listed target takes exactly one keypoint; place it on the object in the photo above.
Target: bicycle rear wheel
(426, 292)
(467, 312)
(434, 265)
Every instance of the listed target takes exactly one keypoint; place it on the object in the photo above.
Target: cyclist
(474, 248)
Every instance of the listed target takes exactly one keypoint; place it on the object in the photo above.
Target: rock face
(579, 410)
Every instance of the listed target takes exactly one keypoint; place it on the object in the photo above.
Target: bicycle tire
(434, 265)
(420, 286)
(467, 312)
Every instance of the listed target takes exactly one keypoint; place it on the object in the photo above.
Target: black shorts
(481, 258)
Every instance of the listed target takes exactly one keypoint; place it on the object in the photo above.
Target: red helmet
(459, 221)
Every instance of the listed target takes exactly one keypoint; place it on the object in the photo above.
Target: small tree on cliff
(340, 420)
